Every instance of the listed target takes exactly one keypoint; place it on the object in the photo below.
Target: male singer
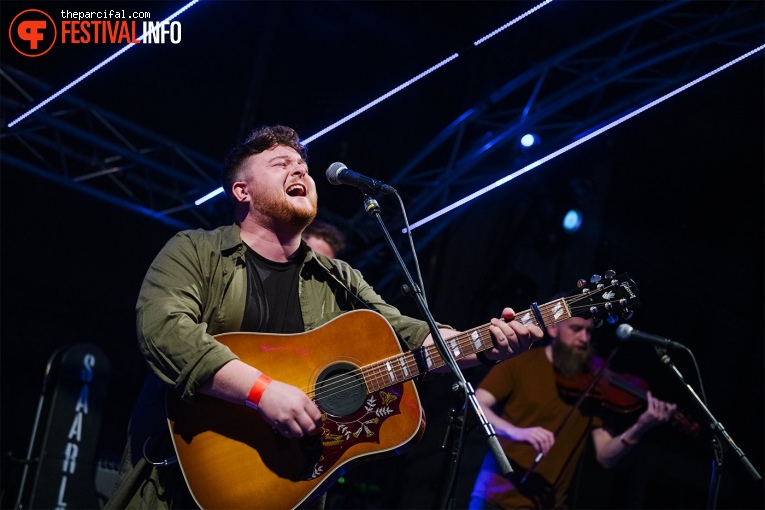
(256, 275)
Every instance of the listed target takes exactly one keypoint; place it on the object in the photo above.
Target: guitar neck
(412, 364)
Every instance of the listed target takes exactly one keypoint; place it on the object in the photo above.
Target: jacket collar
(231, 239)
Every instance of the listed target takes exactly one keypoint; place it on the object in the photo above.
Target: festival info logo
(32, 33)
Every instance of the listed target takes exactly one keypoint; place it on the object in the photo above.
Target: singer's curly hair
(259, 140)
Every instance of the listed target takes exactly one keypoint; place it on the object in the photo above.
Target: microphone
(626, 332)
(338, 173)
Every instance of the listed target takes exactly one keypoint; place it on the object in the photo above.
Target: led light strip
(99, 66)
(394, 91)
(511, 23)
(576, 143)
(378, 100)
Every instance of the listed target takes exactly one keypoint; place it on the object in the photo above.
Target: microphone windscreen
(333, 171)
(624, 331)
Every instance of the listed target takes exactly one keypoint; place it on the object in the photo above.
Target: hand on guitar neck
(509, 338)
(353, 370)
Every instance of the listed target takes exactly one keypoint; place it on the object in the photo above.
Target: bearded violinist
(542, 432)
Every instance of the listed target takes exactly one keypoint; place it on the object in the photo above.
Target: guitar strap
(330, 270)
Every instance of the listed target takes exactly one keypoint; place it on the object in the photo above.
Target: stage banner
(62, 452)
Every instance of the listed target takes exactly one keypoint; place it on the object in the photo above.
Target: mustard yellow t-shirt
(527, 396)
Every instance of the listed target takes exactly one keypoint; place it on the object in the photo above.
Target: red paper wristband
(256, 392)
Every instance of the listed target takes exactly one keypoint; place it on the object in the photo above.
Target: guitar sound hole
(340, 389)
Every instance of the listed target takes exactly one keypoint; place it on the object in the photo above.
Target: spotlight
(572, 221)
(529, 140)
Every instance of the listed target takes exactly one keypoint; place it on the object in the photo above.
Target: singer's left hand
(511, 337)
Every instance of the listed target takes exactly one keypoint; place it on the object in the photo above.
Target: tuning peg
(581, 282)
(610, 274)
(627, 314)
(599, 324)
(612, 319)
(595, 278)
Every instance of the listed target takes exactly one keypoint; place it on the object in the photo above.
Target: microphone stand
(721, 434)
(413, 290)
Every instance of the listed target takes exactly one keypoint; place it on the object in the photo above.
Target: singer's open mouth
(296, 190)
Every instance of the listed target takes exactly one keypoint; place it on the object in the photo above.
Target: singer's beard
(570, 361)
(281, 211)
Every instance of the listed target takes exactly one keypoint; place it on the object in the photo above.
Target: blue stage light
(572, 221)
(529, 140)
(576, 143)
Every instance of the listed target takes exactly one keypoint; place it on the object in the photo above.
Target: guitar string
(402, 367)
(462, 341)
(387, 372)
(465, 343)
(380, 373)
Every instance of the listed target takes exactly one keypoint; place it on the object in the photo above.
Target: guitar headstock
(607, 297)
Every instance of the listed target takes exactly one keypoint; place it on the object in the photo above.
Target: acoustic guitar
(353, 367)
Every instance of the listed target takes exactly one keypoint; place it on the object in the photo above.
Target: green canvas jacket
(194, 289)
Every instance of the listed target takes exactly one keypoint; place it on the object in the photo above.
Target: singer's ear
(240, 191)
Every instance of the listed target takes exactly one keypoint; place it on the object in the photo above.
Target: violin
(619, 392)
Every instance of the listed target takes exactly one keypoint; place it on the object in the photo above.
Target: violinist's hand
(289, 410)
(657, 412)
(511, 337)
(541, 439)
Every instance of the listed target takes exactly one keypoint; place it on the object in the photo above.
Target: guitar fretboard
(414, 363)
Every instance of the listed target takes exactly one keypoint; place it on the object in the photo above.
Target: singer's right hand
(289, 410)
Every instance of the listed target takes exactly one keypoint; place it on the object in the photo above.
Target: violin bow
(570, 413)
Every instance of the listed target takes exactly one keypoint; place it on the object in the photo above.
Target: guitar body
(354, 369)
(231, 458)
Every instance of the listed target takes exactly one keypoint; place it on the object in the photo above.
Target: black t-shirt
(272, 304)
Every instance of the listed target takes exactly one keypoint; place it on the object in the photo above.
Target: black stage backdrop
(676, 196)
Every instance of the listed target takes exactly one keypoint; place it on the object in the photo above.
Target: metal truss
(86, 148)
(562, 99)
